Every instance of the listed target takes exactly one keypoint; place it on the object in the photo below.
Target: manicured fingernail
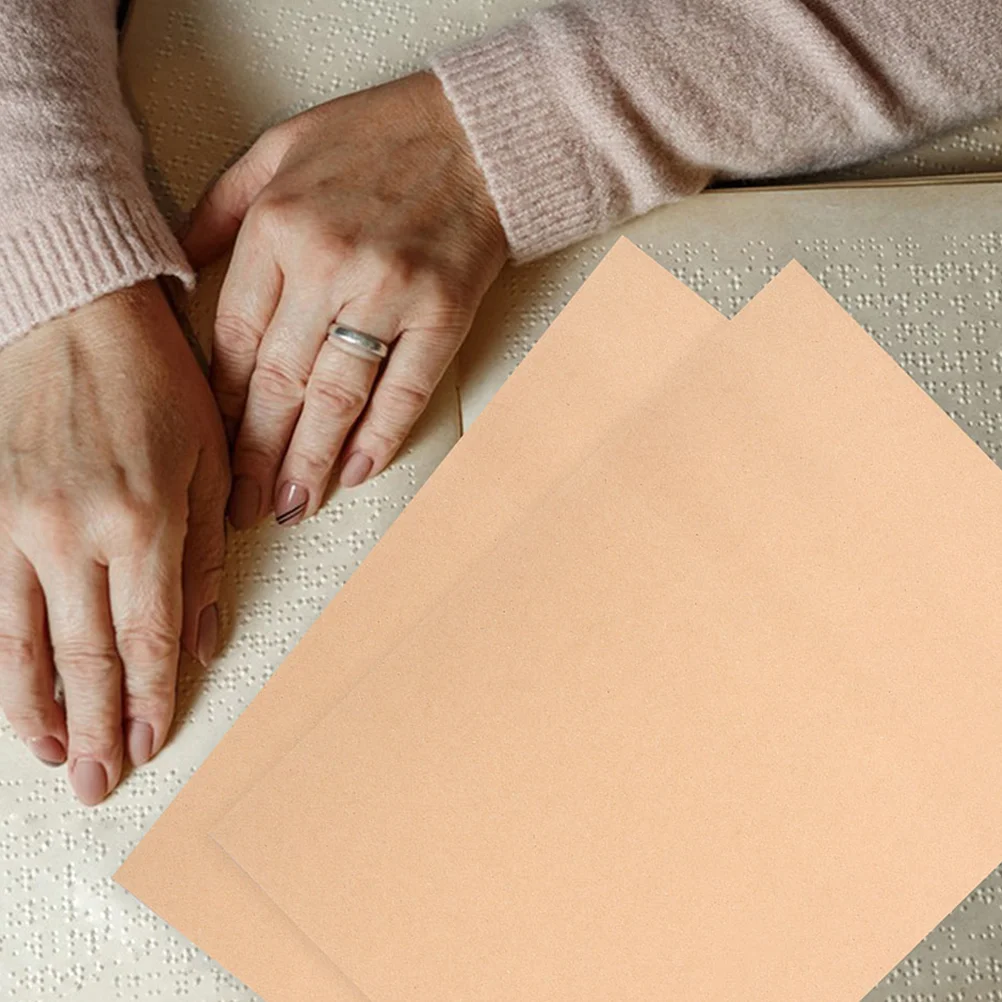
(355, 470)
(291, 504)
(49, 750)
(140, 742)
(245, 503)
(89, 780)
(208, 634)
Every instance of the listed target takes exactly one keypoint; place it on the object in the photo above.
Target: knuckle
(55, 523)
(237, 333)
(94, 741)
(288, 219)
(273, 139)
(383, 440)
(268, 150)
(329, 249)
(275, 382)
(395, 266)
(206, 578)
(145, 644)
(137, 523)
(152, 699)
(340, 402)
(53, 505)
(17, 653)
(86, 664)
(403, 402)
(275, 212)
(314, 466)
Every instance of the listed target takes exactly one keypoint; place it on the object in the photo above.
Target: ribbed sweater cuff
(535, 167)
(61, 260)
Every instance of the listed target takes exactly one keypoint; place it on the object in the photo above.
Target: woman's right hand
(113, 486)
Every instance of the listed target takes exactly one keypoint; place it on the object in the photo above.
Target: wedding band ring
(357, 343)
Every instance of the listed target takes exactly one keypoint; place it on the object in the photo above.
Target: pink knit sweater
(581, 115)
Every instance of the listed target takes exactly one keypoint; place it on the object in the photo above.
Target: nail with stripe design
(293, 500)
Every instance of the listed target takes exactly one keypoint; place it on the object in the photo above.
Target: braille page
(559, 403)
(717, 720)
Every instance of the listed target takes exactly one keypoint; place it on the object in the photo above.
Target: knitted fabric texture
(580, 116)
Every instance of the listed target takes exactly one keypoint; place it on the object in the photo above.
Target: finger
(27, 680)
(83, 645)
(144, 588)
(215, 221)
(247, 302)
(204, 548)
(415, 367)
(336, 395)
(276, 394)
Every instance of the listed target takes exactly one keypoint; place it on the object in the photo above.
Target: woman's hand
(113, 485)
(370, 210)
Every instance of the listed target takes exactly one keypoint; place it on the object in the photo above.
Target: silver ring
(357, 343)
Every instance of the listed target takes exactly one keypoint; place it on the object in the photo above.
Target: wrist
(445, 122)
(523, 140)
(109, 332)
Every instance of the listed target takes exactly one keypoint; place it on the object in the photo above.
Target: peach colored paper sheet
(573, 386)
(734, 679)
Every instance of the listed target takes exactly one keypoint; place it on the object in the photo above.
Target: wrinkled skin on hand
(371, 210)
(113, 480)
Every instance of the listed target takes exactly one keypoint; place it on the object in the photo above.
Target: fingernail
(140, 742)
(291, 505)
(89, 780)
(245, 503)
(208, 634)
(49, 750)
(355, 469)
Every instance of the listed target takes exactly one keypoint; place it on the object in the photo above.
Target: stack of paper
(671, 651)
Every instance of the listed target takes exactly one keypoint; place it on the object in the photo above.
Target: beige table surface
(919, 267)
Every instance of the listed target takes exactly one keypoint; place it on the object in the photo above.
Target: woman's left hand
(370, 211)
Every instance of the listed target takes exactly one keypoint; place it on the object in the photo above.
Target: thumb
(204, 549)
(214, 222)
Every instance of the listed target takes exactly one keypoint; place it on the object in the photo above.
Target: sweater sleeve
(588, 113)
(76, 218)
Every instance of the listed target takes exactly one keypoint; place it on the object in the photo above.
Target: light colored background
(921, 268)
